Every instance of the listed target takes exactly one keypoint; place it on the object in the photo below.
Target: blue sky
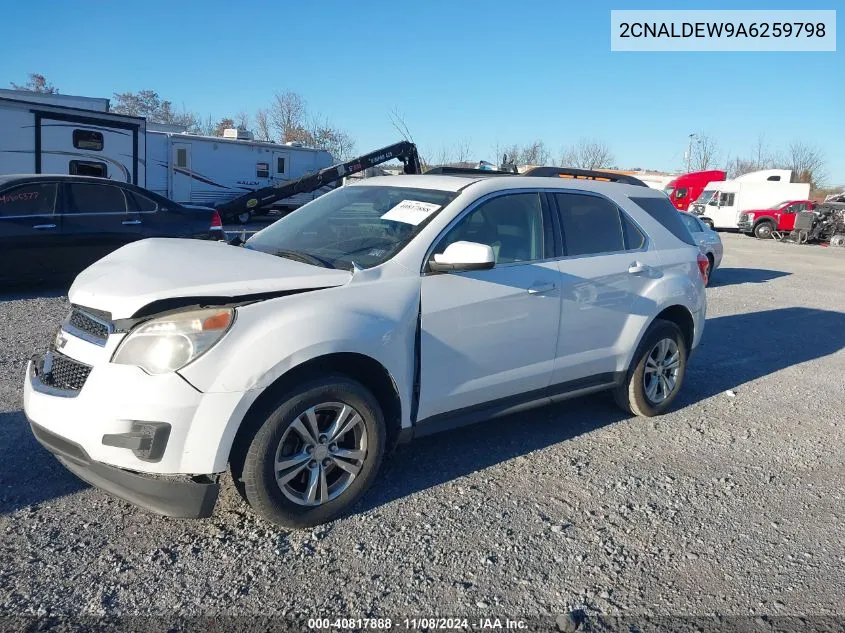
(490, 72)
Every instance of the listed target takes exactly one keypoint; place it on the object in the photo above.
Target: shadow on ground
(733, 276)
(735, 349)
(34, 291)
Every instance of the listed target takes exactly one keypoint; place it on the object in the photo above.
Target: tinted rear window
(661, 209)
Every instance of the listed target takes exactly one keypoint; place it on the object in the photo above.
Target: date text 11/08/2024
(411, 624)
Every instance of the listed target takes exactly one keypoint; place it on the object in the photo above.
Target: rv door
(180, 172)
(281, 166)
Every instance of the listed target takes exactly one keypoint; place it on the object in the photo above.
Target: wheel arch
(681, 316)
(369, 372)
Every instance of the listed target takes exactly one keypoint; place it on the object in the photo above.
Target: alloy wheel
(662, 366)
(321, 453)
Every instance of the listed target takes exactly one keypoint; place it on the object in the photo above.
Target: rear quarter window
(661, 209)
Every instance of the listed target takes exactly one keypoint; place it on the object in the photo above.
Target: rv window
(36, 199)
(280, 165)
(88, 139)
(92, 198)
(262, 170)
(181, 157)
(88, 168)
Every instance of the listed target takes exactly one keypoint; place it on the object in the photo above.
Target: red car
(780, 217)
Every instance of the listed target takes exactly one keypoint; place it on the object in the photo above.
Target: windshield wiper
(305, 258)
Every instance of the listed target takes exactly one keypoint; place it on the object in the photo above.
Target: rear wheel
(657, 371)
(764, 230)
(315, 454)
(838, 240)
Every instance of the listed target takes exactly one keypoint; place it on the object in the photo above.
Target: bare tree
(289, 114)
(705, 153)
(241, 120)
(323, 135)
(588, 154)
(463, 150)
(807, 163)
(762, 156)
(36, 83)
(397, 120)
(207, 126)
(148, 104)
(512, 154)
(535, 153)
(262, 125)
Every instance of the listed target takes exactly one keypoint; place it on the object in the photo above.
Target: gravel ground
(732, 504)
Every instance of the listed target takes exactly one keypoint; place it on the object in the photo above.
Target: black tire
(631, 394)
(257, 464)
(764, 230)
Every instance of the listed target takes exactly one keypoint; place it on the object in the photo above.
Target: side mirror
(462, 256)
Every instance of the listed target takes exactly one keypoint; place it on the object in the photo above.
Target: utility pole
(689, 152)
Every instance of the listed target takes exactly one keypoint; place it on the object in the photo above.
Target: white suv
(383, 310)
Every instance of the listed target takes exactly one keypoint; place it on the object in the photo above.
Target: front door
(180, 172)
(281, 167)
(30, 233)
(489, 335)
(96, 220)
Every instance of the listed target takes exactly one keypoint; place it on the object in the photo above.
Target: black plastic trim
(584, 174)
(514, 404)
(168, 497)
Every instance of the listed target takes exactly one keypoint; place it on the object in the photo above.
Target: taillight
(703, 266)
(216, 223)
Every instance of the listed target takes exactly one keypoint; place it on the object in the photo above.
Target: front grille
(86, 323)
(65, 373)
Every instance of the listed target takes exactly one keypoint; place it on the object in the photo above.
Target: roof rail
(584, 174)
(466, 171)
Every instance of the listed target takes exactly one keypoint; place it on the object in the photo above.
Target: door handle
(130, 222)
(538, 289)
(42, 227)
(638, 267)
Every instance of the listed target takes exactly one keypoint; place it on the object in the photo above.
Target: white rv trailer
(208, 170)
(722, 202)
(61, 134)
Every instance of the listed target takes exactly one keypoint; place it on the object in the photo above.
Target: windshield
(361, 224)
(779, 204)
(705, 196)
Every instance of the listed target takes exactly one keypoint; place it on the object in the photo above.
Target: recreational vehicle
(59, 134)
(209, 170)
(722, 202)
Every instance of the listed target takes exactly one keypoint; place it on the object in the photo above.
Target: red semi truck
(684, 189)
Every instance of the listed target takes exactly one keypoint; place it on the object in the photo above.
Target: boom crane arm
(404, 151)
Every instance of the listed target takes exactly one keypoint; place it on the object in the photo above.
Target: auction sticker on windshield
(411, 212)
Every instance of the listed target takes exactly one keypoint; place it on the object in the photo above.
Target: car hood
(158, 269)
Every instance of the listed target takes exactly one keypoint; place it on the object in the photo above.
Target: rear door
(96, 220)
(30, 233)
(606, 269)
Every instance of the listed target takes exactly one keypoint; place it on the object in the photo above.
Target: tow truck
(244, 206)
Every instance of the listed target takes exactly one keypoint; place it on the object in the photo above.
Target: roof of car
(54, 177)
(489, 184)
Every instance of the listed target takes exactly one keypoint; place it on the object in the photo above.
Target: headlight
(170, 342)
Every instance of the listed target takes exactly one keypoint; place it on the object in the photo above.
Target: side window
(88, 168)
(691, 223)
(591, 225)
(88, 139)
(36, 199)
(801, 206)
(634, 238)
(280, 165)
(680, 194)
(262, 170)
(726, 200)
(142, 203)
(663, 211)
(91, 198)
(512, 225)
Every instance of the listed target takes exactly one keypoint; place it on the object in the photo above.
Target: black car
(54, 226)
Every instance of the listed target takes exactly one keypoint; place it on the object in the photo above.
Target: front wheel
(764, 230)
(315, 454)
(656, 373)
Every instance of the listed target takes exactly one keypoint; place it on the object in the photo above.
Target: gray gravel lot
(731, 504)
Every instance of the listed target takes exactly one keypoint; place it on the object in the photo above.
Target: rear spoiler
(584, 174)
